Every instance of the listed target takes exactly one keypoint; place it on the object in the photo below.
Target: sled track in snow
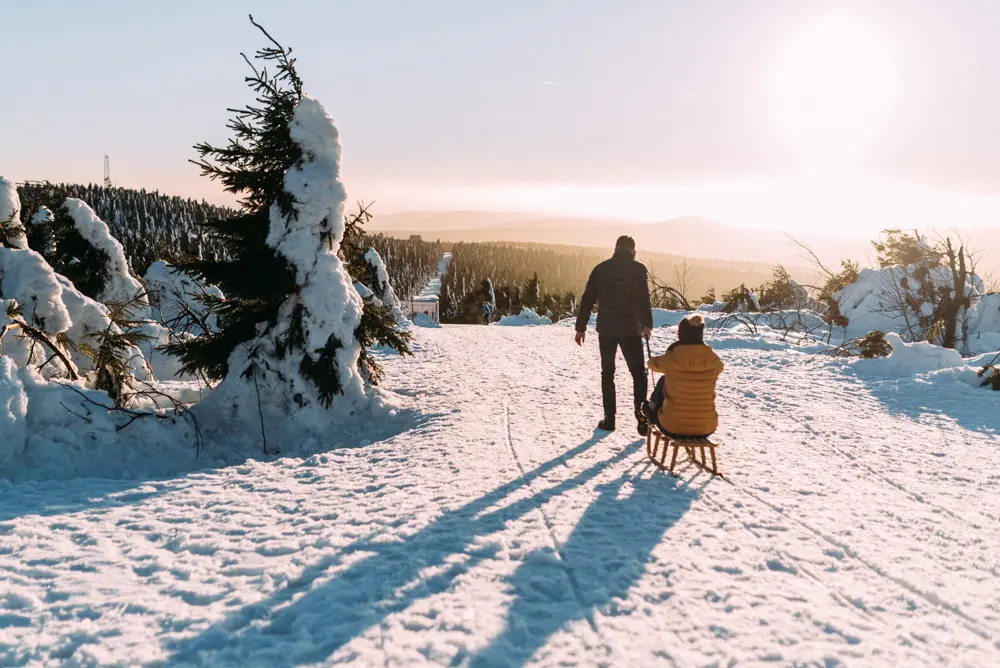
(842, 599)
(970, 623)
(556, 545)
(919, 498)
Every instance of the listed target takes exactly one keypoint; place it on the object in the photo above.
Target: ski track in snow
(855, 528)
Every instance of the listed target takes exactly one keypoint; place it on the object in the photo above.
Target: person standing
(619, 287)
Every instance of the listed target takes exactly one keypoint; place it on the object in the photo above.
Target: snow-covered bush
(782, 292)
(119, 284)
(908, 300)
(741, 300)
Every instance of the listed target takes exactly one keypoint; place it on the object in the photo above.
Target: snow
(488, 524)
(172, 292)
(122, 286)
(527, 317)
(13, 407)
(10, 211)
(28, 279)
(910, 359)
(424, 320)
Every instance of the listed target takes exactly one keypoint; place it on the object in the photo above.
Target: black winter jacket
(620, 289)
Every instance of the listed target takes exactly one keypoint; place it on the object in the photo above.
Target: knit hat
(691, 329)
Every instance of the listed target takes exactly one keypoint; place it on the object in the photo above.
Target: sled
(655, 439)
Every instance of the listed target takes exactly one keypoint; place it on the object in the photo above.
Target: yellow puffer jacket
(689, 406)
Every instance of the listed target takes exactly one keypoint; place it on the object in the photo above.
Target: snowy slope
(859, 527)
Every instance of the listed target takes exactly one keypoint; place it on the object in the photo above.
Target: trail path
(858, 528)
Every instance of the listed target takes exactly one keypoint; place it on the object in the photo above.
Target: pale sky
(835, 116)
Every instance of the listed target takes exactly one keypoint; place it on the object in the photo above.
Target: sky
(843, 117)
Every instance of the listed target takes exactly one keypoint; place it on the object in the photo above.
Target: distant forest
(551, 278)
(152, 226)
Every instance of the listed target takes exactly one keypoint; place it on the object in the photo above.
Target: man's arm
(644, 306)
(587, 302)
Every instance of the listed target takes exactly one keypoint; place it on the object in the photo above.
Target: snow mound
(909, 359)
(13, 408)
(716, 307)
(122, 286)
(424, 320)
(173, 292)
(665, 318)
(526, 318)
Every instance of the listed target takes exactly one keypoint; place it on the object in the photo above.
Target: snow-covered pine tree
(291, 324)
(12, 233)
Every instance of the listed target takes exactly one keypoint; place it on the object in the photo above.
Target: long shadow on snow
(973, 408)
(63, 497)
(605, 556)
(280, 631)
(51, 497)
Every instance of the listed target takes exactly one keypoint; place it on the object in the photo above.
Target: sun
(832, 89)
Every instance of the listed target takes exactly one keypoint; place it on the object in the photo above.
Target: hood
(695, 358)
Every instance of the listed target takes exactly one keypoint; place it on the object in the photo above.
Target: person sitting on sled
(683, 403)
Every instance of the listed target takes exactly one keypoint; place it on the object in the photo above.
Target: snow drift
(526, 318)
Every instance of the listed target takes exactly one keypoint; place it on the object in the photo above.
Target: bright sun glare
(832, 89)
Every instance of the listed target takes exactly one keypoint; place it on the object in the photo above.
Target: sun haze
(775, 113)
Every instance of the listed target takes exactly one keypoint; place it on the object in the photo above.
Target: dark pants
(632, 352)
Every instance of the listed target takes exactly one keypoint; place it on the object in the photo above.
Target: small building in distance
(415, 237)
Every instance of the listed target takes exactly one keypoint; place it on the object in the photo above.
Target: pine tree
(291, 314)
(12, 233)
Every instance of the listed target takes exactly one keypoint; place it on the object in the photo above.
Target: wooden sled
(656, 439)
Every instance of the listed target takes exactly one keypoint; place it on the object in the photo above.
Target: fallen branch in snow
(991, 368)
(37, 335)
(735, 318)
(179, 409)
(869, 346)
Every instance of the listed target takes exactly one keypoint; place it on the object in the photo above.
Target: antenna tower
(107, 172)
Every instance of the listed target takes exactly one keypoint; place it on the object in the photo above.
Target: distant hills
(689, 235)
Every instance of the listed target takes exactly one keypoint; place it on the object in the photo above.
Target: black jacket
(620, 288)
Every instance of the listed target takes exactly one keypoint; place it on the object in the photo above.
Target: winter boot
(643, 424)
(607, 424)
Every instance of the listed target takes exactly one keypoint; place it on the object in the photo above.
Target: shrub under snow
(121, 286)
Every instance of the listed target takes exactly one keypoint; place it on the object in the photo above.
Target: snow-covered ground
(859, 526)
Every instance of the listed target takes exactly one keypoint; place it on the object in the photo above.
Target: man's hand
(647, 332)
(580, 338)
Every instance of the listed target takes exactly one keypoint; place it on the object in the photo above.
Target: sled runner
(656, 438)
